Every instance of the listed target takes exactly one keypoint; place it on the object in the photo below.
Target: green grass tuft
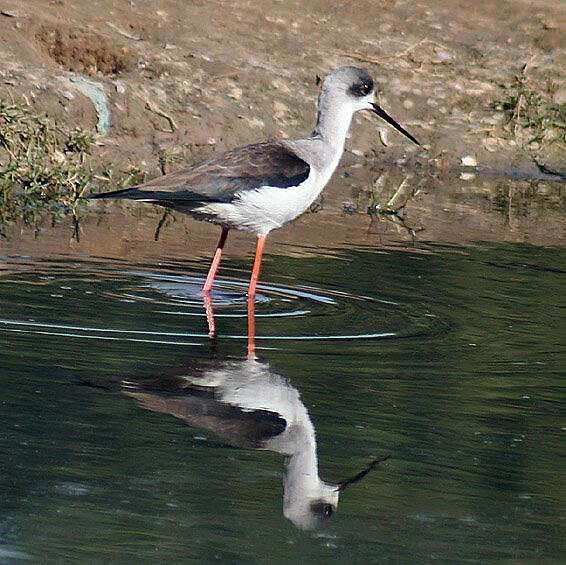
(531, 115)
(43, 168)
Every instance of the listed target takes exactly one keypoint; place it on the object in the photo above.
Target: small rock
(58, 157)
(408, 104)
(491, 144)
(235, 93)
(256, 123)
(11, 13)
(442, 56)
(279, 109)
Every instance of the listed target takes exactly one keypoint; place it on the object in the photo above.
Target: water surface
(450, 359)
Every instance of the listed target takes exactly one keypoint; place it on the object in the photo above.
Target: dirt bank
(186, 78)
(165, 82)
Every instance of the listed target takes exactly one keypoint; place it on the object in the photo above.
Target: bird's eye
(323, 509)
(361, 89)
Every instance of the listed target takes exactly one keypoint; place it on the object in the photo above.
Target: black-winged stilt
(261, 187)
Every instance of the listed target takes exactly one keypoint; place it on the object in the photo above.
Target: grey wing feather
(198, 406)
(219, 178)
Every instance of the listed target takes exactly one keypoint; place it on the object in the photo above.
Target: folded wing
(221, 177)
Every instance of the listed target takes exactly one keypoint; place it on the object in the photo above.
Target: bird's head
(353, 89)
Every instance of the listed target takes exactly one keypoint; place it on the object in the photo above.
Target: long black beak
(341, 486)
(383, 114)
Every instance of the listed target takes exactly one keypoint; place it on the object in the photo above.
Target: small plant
(392, 209)
(42, 167)
(79, 141)
(532, 116)
(132, 177)
(45, 169)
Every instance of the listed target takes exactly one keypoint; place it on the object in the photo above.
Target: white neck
(333, 122)
(301, 473)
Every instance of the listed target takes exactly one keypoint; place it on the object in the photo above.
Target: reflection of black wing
(198, 407)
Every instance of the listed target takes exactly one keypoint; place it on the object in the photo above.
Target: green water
(451, 360)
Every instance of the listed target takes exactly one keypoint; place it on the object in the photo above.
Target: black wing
(217, 179)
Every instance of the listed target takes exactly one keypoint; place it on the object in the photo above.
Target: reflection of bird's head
(314, 509)
(312, 502)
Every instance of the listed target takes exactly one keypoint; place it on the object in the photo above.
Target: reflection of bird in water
(248, 404)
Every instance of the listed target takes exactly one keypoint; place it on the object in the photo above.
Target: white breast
(267, 208)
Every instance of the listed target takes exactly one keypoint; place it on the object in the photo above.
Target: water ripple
(93, 301)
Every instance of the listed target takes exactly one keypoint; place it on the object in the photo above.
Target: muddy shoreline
(443, 209)
(157, 89)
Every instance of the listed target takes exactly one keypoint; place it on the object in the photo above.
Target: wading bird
(261, 187)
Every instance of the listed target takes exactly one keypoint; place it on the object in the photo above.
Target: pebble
(469, 161)
(280, 109)
(491, 144)
(442, 56)
(235, 93)
(256, 123)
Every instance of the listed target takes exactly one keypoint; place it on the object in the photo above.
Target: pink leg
(215, 262)
(251, 296)
(209, 309)
(257, 267)
(251, 328)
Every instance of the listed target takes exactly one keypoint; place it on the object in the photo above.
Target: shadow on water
(448, 358)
